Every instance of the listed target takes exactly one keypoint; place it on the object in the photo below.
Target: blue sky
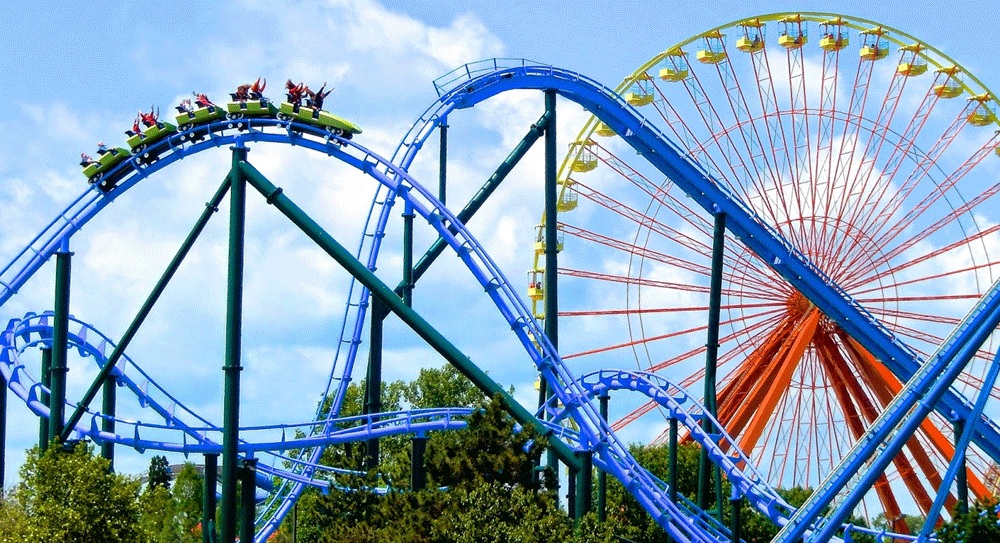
(75, 74)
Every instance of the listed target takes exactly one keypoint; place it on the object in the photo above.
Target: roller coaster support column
(208, 498)
(736, 502)
(60, 337)
(672, 463)
(443, 163)
(3, 428)
(210, 208)
(108, 423)
(248, 492)
(602, 478)
(43, 424)
(407, 283)
(411, 318)
(373, 381)
(418, 474)
(585, 486)
(234, 334)
(705, 467)
(961, 478)
(551, 251)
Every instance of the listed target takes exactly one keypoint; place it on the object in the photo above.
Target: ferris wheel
(870, 151)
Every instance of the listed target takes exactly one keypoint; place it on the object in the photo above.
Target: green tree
(979, 525)
(443, 387)
(159, 472)
(67, 494)
(489, 450)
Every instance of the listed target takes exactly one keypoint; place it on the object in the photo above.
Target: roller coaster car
(142, 143)
(112, 157)
(202, 115)
(251, 108)
(96, 172)
(322, 119)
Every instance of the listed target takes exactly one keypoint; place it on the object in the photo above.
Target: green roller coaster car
(95, 170)
(251, 108)
(320, 118)
(150, 136)
(201, 115)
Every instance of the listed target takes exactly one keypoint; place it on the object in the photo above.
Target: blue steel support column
(43, 424)
(108, 423)
(711, 358)
(208, 498)
(234, 334)
(248, 491)
(551, 251)
(60, 340)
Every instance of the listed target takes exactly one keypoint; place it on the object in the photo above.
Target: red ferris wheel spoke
(610, 312)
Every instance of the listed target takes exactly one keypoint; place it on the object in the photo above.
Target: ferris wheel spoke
(754, 328)
(633, 249)
(642, 220)
(670, 309)
(858, 293)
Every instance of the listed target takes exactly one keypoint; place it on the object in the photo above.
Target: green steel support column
(736, 524)
(3, 429)
(571, 502)
(961, 477)
(705, 468)
(551, 243)
(585, 485)
(208, 498)
(373, 381)
(443, 163)
(407, 315)
(43, 424)
(602, 477)
(210, 208)
(407, 283)
(60, 337)
(234, 334)
(672, 465)
(248, 490)
(418, 472)
(108, 424)
(672, 461)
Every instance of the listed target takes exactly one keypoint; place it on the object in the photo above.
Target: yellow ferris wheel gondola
(834, 37)
(675, 67)
(641, 92)
(952, 86)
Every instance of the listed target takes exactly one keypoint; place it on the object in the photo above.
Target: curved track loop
(182, 430)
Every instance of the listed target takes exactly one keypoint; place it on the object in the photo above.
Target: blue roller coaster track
(465, 88)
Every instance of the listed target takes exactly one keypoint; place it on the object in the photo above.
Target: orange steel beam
(748, 402)
(801, 339)
(944, 446)
(741, 380)
(835, 368)
(870, 412)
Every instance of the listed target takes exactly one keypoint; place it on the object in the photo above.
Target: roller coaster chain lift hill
(577, 431)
